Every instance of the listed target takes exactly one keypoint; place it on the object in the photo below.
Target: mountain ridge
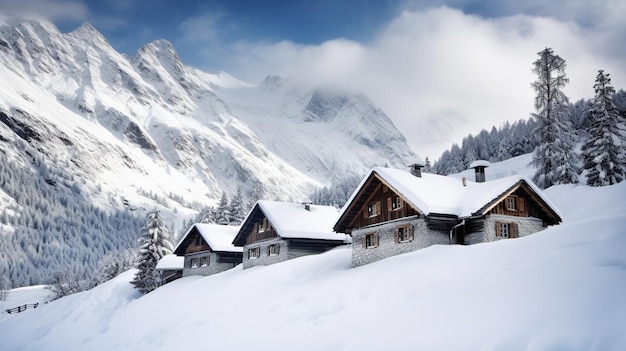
(145, 131)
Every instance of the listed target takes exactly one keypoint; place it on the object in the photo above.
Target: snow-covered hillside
(560, 289)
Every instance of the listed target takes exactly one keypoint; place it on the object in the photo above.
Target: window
(273, 250)
(404, 234)
(254, 253)
(396, 203)
(262, 226)
(511, 203)
(371, 241)
(505, 230)
(199, 241)
(372, 210)
(199, 262)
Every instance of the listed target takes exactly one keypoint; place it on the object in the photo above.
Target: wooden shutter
(521, 203)
(375, 240)
(411, 229)
(396, 236)
(389, 204)
(498, 230)
(364, 241)
(513, 231)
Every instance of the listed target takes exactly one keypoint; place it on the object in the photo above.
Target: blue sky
(453, 67)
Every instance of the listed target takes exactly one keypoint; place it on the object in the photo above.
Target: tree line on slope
(53, 233)
(556, 132)
(229, 211)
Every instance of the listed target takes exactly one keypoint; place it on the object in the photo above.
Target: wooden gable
(521, 201)
(256, 227)
(193, 242)
(375, 202)
(261, 230)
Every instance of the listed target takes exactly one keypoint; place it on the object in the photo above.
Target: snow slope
(560, 289)
(37, 294)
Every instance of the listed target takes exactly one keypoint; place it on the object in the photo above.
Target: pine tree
(428, 167)
(555, 158)
(154, 243)
(603, 153)
(237, 211)
(223, 215)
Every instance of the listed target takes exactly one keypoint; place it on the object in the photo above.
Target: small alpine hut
(394, 211)
(277, 231)
(170, 267)
(208, 249)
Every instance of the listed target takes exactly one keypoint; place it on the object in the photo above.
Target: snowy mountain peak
(271, 82)
(324, 105)
(88, 33)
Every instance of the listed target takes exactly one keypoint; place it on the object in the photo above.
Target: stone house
(394, 211)
(277, 231)
(208, 249)
(170, 267)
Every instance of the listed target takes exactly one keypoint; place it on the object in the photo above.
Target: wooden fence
(22, 308)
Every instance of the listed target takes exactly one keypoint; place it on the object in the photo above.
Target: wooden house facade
(277, 231)
(208, 249)
(394, 212)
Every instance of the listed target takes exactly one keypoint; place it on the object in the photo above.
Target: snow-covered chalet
(208, 249)
(276, 231)
(394, 211)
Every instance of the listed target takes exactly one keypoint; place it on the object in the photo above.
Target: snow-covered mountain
(134, 129)
(560, 289)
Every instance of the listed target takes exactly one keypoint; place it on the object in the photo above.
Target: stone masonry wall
(422, 237)
(212, 268)
(264, 258)
(525, 225)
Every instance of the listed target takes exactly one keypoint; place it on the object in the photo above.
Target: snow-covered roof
(293, 221)
(219, 237)
(171, 262)
(436, 194)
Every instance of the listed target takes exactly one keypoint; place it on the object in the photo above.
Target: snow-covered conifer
(238, 211)
(222, 213)
(603, 153)
(154, 243)
(428, 167)
(555, 158)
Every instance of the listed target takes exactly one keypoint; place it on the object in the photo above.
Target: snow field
(561, 289)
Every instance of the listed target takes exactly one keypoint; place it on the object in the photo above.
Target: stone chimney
(479, 170)
(416, 167)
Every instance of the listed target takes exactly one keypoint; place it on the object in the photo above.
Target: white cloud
(51, 9)
(201, 29)
(441, 74)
